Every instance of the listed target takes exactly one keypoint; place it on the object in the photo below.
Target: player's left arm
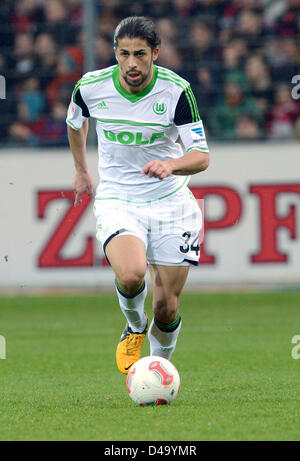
(191, 163)
(192, 137)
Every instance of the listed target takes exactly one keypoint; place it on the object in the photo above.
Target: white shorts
(169, 228)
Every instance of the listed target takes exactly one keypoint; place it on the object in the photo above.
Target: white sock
(163, 343)
(133, 308)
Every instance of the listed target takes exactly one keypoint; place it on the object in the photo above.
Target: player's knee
(166, 310)
(131, 280)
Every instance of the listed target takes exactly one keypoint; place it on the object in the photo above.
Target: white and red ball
(153, 380)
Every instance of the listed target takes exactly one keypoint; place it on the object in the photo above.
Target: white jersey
(134, 129)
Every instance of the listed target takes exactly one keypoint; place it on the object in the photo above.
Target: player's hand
(157, 169)
(82, 182)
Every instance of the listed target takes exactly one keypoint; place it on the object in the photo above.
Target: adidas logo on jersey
(198, 132)
(102, 105)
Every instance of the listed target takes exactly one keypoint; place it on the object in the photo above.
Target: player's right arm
(82, 179)
(77, 134)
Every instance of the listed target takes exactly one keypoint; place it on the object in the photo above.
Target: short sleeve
(188, 122)
(78, 111)
(186, 109)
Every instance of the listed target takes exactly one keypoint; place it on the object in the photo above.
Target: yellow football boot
(129, 348)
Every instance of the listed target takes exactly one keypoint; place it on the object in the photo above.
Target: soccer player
(145, 213)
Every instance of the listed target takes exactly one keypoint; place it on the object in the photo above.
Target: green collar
(133, 97)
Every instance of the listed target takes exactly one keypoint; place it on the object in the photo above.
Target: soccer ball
(153, 380)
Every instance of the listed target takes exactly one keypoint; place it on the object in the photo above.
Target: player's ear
(155, 54)
(115, 51)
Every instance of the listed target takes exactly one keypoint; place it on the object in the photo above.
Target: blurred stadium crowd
(238, 55)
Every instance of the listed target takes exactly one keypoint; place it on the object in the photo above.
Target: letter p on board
(2, 87)
(2, 347)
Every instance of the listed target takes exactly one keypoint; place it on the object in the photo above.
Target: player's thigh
(123, 241)
(127, 256)
(168, 283)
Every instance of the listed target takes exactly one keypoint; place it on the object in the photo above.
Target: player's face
(135, 58)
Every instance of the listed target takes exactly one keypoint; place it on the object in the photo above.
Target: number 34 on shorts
(190, 248)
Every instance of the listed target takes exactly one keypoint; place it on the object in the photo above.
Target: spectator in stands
(109, 15)
(24, 64)
(167, 30)
(57, 23)
(205, 93)
(68, 70)
(104, 52)
(230, 108)
(50, 131)
(288, 24)
(106, 24)
(259, 81)
(46, 51)
(21, 135)
(233, 57)
(274, 53)
(26, 16)
(202, 44)
(233, 8)
(29, 113)
(32, 101)
(247, 129)
(170, 57)
(291, 62)
(249, 25)
(55, 130)
(282, 117)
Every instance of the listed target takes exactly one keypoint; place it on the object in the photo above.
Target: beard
(135, 84)
(143, 78)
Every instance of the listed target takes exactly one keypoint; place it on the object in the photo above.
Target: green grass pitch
(239, 381)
